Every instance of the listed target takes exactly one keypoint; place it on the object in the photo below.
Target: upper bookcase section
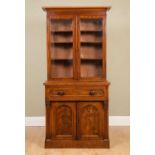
(76, 10)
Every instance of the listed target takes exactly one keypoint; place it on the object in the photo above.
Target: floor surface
(119, 143)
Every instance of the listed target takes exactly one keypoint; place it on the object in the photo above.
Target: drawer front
(76, 93)
(61, 91)
(90, 91)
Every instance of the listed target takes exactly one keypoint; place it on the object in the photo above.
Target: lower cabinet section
(76, 124)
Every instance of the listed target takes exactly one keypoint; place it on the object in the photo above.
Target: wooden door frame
(92, 16)
(49, 41)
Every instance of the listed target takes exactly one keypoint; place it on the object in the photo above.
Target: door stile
(104, 47)
(48, 29)
(74, 48)
(78, 47)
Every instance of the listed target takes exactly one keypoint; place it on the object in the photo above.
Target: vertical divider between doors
(78, 47)
(78, 70)
(74, 48)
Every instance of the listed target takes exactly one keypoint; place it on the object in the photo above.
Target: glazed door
(63, 119)
(90, 120)
(61, 45)
(91, 47)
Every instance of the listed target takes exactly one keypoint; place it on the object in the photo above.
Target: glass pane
(62, 48)
(91, 47)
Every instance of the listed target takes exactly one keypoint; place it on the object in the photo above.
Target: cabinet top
(70, 8)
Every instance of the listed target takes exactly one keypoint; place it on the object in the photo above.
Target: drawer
(89, 91)
(69, 91)
(76, 93)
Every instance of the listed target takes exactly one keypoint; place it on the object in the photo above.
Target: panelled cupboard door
(61, 46)
(63, 120)
(90, 120)
(91, 46)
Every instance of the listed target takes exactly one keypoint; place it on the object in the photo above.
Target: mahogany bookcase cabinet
(76, 90)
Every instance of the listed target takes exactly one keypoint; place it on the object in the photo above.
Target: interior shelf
(91, 31)
(91, 59)
(91, 68)
(91, 24)
(59, 43)
(53, 60)
(88, 42)
(61, 25)
(61, 31)
(63, 69)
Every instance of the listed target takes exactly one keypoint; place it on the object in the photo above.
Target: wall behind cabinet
(117, 52)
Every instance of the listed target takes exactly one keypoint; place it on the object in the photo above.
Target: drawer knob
(92, 93)
(61, 93)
